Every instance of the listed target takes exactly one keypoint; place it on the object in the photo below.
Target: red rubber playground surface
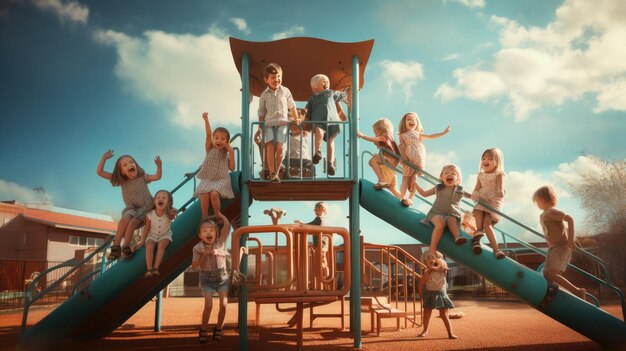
(487, 325)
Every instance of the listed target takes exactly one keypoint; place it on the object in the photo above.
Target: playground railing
(300, 167)
(606, 282)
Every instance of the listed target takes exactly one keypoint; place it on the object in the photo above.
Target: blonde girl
(489, 190)
(383, 137)
(157, 231)
(215, 171)
(134, 183)
(446, 210)
(210, 256)
(435, 295)
(412, 149)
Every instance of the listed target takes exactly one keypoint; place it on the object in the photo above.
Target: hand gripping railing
(606, 282)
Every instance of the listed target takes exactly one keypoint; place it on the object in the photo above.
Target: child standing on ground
(322, 107)
(383, 137)
(320, 211)
(560, 240)
(275, 105)
(446, 210)
(412, 149)
(134, 183)
(490, 190)
(157, 231)
(215, 171)
(435, 295)
(210, 256)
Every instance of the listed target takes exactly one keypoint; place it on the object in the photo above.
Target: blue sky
(545, 81)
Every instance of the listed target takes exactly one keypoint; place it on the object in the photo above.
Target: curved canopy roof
(302, 58)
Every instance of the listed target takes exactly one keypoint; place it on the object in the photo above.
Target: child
(275, 104)
(320, 211)
(157, 231)
(214, 173)
(446, 210)
(383, 131)
(322, 107)
(299, 150)
(411, 149)
(435, 295)
(210, 255)
(134, 183)
(490, 190)
(560, 241)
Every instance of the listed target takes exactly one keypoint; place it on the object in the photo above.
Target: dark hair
(222, 130)
(117, 177)
(271, 68)
(170, 200)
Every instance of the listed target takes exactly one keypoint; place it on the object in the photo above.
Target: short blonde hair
(547, 194)
(453, 167)
(321, 205)
(316, 78)
(383, 124)
(497, 156)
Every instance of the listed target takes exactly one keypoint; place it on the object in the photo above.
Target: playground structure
(110, 299)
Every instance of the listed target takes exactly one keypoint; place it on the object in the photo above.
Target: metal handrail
(607, 283)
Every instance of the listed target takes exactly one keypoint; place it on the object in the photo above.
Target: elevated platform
(301, 190)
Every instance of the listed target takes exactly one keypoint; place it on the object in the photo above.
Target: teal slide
(523, 282)
(114, 296)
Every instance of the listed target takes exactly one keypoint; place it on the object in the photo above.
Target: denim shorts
(214, 281)
(276, 133)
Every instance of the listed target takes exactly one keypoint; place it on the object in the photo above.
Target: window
(85, 241)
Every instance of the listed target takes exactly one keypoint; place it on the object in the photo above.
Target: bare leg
(488, 225)
(404, 186)
(319, 136)
(222, 312)
(269, 156)
(204, 204)
(392, 188)
(443, 313)
(479, 217)
(437, 221)
(279, 156)
(215, 202)
(206, 313)
(163, 244)
(330, 144)
(130, 230)
(427, 313)
(375, 163)
(453, 227)
(555, 277)
(149, 254)
(121, 229)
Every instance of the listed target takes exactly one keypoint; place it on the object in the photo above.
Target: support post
(157, 312)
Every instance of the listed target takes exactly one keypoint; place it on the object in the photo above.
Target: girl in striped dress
(215, 171)
(446, 210)
(134, 183)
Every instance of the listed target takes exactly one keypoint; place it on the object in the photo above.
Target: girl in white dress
(157, 231)
(411, 149)
(489, 190)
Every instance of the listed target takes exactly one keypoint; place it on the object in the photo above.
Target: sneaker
(331, 169)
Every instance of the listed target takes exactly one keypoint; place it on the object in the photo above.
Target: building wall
(59, 248)
(23, 240)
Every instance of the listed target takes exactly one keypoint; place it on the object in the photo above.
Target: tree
(602, 193)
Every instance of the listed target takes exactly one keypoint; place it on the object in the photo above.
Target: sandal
(460, 240)
(148, 274)
(116, 252)
(499, 254)
(381, 185)
(274, 178)
(422, 334)
(203, 336)
(406, 202)
(217, 334)
(476, 246)
(317, 157)
(479, 234)
(127, 252)
(331, 169)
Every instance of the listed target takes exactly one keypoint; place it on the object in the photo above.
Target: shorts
(158, 237)
(213, 281)
(558, 259)
(277, 133)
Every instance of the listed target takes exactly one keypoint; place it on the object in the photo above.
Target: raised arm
(231, 156)
(225, 231)
(208, 143)
(436, 135)
(373, 139)
(100, 170)
(157, 175)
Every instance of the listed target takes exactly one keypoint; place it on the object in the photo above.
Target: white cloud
(405, 74)
(293, 31)
(580, 52)
(451, 57)
(14, 191)
(70, 10)
(573, 173)
(186, 74)
(241, 24)
(472, 3)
